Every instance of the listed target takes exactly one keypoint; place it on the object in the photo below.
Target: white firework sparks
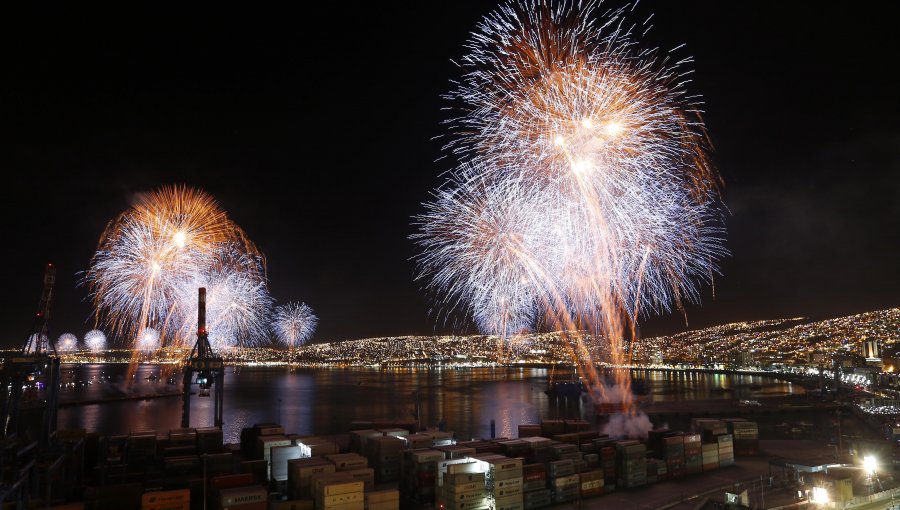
(585, 189)
(584, 196)
(238, 305)
(153, 258)
(294, 324)
(67, 342)
(95, 340)
(148, 340)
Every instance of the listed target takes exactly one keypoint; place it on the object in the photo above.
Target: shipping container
(166, 500)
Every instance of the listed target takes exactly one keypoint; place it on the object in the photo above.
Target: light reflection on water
(326, 401)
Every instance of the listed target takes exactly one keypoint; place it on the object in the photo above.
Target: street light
(820, 495)
(870, 464)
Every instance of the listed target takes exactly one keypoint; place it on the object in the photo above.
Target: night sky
(314, 129)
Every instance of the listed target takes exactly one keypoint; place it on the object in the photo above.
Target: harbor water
(326, 400)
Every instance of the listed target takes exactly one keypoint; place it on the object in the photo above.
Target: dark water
(325, 401)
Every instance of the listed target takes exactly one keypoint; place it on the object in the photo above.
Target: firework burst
(584, 197)
(95, 340)
(67, 342)
(294, 323)
(154, 256)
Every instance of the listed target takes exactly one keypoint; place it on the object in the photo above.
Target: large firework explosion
(584, 197)
(294, 323)
(95, 340)
(67, 342)
(154, 256)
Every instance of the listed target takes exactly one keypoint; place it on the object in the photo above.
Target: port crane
(36, 368)
(210, 370)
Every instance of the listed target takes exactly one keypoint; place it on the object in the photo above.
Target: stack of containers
(726, 449)
(219, 483)
(264, 445)
(746, 436)
(183, 437)
(384, 455)
(565, 451)
(550, 428)
(347, 461)
(462, 486)
(693, 453)
(250, 434)
(539, 448)
(244, 498)
(388, 499)
(396, 432)
(515, 448)
(591, 483)
(280, 456)
(339, 494)
(535, 493)
(313, 446)
(413, 442)
(419, 480)
(576, 426)
(607, 462)
(441, 437)
(656, 470)
(563, 480)
(481, 447)
(632, 469)
(673, 453)
(569, 438)
(529, 431)
(708, 428)
(710, 456)
(355, 466)
(359, 438)
(456, 451)
(300, 472)
(209, 440)
(503, 481)
(141, 448)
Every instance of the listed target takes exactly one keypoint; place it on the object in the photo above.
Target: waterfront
(327, 400)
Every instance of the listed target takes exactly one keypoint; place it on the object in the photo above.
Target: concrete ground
(749, 473)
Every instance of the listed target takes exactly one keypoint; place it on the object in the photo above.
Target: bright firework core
(584, 197)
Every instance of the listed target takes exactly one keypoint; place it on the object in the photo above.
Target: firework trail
(67, 342)
(294, 323)
(584, 198)
(154, 256)
(95, 340)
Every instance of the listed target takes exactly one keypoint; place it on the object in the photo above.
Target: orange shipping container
(167, 500)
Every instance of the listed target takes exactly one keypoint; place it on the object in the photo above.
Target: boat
(565, 389)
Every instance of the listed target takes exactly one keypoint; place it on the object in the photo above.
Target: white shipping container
(453, 488)
(458, 478)
(280, 457)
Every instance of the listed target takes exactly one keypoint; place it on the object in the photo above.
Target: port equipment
(31, 379)
(210, 370)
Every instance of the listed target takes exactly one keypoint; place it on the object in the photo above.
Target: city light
(820, 495)
(870, 464)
